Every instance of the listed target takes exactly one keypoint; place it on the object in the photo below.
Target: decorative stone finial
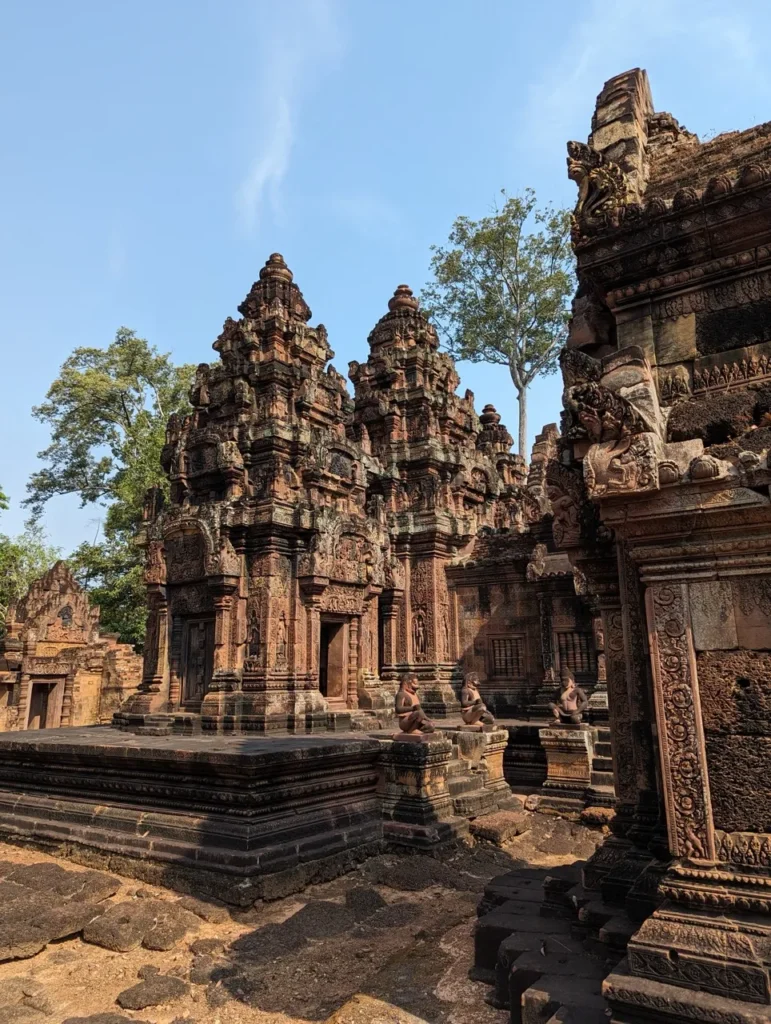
(275, 267)
(490, 416)
(274, 292)
(403, 299)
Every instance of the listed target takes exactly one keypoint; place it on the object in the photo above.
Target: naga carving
(603, 191)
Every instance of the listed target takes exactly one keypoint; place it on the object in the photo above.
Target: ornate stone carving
(686, 785)
(625, 466)
(603, 191)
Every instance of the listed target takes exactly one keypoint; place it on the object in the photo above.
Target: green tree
(23, 559)
(501, 291)
(107, 410)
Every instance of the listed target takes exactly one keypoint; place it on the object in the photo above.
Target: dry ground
(390, 940)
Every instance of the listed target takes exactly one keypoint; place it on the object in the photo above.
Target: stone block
(637, 330)
(752, 609)
(712, 615)
(569, 765)
(676, 339)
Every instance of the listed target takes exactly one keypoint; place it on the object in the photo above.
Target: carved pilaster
(678, 716)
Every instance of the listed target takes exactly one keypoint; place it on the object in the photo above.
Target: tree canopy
(23, 559)
(107, 411)
(501, 291)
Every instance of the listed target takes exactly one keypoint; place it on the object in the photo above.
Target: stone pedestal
(568, 769)
(416, 801)
(495, 742)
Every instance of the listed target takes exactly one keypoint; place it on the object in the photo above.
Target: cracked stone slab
(154, 924)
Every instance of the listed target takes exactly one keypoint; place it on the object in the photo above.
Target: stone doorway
(197, 659)
(332, 660)
(44, 707)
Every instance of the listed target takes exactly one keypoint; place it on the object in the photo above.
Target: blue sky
(155, 153)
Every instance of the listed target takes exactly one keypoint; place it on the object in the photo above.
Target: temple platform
(243, 818)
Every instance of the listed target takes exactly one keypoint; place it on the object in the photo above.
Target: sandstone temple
(317, 545)
(56, 667)
(320, 545)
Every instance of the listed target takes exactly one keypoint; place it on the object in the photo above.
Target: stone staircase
(601, 792)
(545, 944)
(466, 784)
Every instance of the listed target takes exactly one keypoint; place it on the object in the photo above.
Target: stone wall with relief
(667, 421)
(731, 624)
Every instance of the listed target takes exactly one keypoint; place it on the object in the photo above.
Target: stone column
(352, 694)
(389, 609)
(222, 672)
(68, 699)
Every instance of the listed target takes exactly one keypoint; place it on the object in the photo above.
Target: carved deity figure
(412, 718)
(419, 637)
(568, 710)
(281, 640)
(253, 646)
(473, 709)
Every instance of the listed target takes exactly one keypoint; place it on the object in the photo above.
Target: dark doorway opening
(39, 705)
(332, 660)
(197, 659)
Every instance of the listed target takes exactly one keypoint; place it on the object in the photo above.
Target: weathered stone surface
(104, 1018)
(213, 912)
(500, 827)
(154, 924)
(20, 996)
(206, 968)
(692, 547)
(155, 989)
(45, 902)
(712, 615)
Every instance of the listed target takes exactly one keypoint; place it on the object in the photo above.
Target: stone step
(601, 796)
(571, 996)
(517, 918)
(594, 914)
(548, 935)
(603, 749)
(510, 886)
(602, 764)
(617, 932)
(473, 805)
(460, 784)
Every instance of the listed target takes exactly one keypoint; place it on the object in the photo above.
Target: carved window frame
(519, 640)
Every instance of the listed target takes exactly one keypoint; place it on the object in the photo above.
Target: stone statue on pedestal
(568, 710)
(412, 718)
(473, 709)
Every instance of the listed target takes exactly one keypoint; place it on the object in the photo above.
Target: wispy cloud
(613, 37)
(297, 42)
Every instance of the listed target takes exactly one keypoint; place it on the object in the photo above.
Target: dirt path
(393, 939)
